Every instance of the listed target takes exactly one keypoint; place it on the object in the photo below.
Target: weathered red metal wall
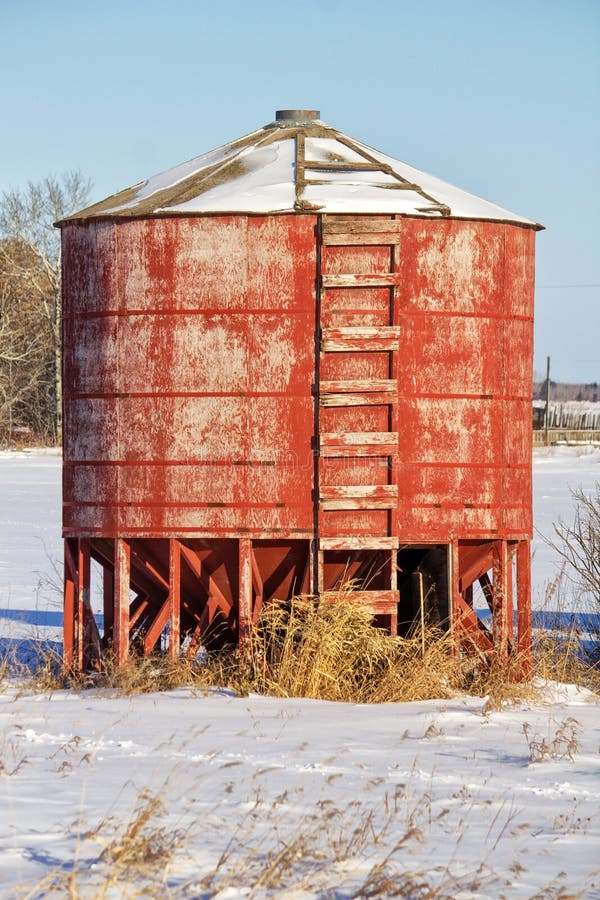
(189, 354)
(189, 360)
(465, 307)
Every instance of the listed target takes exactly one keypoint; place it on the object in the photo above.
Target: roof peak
(297, 163)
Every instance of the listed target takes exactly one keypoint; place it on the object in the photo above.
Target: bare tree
(26, 357)
(579, 543)
(30, 260)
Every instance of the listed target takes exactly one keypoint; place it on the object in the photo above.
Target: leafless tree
(26, 355)
(579, 543)
(30, 266)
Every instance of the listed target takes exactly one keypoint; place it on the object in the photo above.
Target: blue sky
(500, 97)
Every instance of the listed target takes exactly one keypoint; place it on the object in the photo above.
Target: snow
(556, 471)
(262, 179)
(441, 793)
(448, 784)
(266, 181)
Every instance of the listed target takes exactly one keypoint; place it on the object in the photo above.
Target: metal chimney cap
(297, 115)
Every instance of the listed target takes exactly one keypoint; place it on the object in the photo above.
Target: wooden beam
(357, 503)
(347, 491)
(205, 578)
(108, 592)
(356, 438)
(371, 399)
(367, 385)
(82, 599)
(378, 238)
(121, 601)
(454, 605)
(360, 225)
(258, 587)
(351, 279)
(358, 496)
(359, 542)
(500, 597)
(174, 598)
(361, 339)
(377, 602)
(157, 627)
(245, 589)
(341, 166)
(70, 587)
(358, 443)
(524, 608)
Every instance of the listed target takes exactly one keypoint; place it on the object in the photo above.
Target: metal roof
(296, 164)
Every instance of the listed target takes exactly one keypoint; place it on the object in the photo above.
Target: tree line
(30, 304)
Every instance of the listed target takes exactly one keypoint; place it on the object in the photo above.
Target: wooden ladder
(357, 376)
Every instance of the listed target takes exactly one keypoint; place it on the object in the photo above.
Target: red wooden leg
(121, 601)
(524, 608)
(175, 598)
(245, 589)
(69, 605)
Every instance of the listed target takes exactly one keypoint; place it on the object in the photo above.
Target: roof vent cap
(296, 116)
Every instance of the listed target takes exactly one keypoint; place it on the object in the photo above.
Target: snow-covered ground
(288, 798)
(298, 798)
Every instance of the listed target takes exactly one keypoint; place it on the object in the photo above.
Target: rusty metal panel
(88, 267)
(465, 367)
(189, 365)
(452, 266)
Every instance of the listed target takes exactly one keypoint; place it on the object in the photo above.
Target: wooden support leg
(108, 593)
(320, 572)
(69, 636)
(82, 601)
(175, 598)
(499, 613)
(121, 601)
(510, 596)
(312, 566)
(454, 605)
(245, 589)
(524, 608)
(258, 587)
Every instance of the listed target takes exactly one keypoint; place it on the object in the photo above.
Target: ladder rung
(361, 226)
(379, 491)
(375, 385)
(359, 451)
(367, 338)
(382, 603)
(359, 542)
(358, 503)
(377, 279)
(374, 239)
(374, 399)
(355, 438)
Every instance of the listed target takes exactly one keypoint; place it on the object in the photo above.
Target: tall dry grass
(329, 649)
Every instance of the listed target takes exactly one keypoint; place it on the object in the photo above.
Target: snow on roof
(296, 165)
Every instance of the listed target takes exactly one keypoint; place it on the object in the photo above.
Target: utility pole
(547, 416)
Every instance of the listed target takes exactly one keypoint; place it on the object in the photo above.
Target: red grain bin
(290, 364)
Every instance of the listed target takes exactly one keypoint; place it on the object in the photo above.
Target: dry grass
(350, 851)
(328, 649)
(134, 861)
(332, 651)
(564, 744)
